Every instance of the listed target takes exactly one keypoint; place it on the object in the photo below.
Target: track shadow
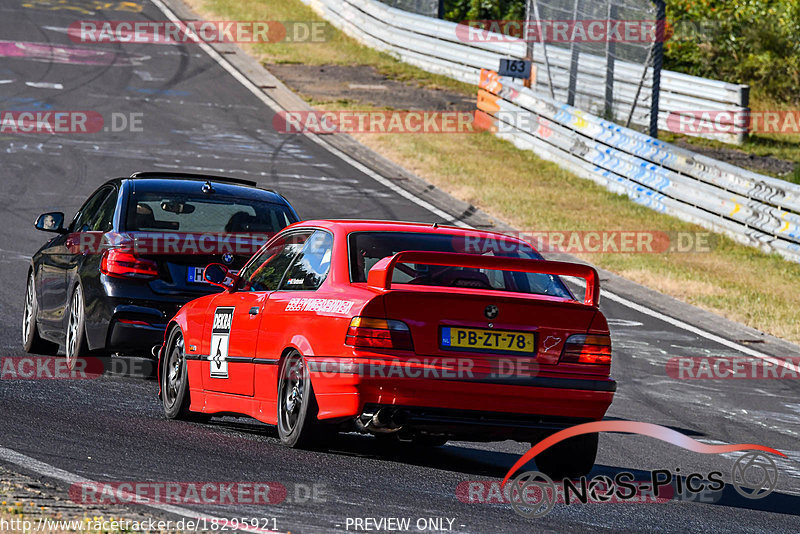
(476, 462)
(728, 496)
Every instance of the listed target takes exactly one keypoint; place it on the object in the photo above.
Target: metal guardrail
(439, 46)
(751, 208)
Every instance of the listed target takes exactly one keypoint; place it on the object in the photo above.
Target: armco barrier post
(658, 62)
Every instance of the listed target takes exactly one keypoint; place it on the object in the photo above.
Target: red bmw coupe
(415, 333)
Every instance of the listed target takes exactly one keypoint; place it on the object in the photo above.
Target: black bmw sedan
(134, 254)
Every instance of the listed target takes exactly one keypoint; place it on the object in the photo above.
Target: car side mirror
(219, 275)
(51, 222)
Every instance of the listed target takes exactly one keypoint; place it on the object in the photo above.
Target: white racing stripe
(49, 471)
(439, 213)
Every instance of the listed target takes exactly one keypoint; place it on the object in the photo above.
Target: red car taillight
(366, 332)
(126, 265)
(587, 348)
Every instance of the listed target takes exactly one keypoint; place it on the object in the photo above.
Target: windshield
(180, 212)
(367, 248)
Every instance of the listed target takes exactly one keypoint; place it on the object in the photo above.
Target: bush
(745, 41)
(460, 10)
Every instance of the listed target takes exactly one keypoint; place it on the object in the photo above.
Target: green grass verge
(339, 49)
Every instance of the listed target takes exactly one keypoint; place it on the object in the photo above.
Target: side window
(266, 270)
(88, 211)
(311, 266)
(103, 220)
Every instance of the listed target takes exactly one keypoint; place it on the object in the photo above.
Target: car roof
(357, 225)
(180, 182)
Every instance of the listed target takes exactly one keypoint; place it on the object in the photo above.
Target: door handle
(254, 310)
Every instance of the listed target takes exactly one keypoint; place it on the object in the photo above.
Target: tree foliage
(745, 41)
(460, 10)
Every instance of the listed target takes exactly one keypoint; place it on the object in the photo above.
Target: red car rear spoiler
(380, 276)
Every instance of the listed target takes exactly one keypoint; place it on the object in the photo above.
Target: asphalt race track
(195, 116)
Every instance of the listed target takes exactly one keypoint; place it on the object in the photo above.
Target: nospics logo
(533, 494)
(755, 475)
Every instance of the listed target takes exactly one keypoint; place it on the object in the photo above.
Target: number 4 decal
(220, 334)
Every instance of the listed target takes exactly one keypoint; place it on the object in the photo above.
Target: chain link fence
(585, 52)
(580, 48)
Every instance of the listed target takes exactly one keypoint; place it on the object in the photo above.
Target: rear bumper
(478, 406)
(131, 317)
(124, 336)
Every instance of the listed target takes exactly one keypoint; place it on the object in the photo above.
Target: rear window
(195, 213)
(367, 248)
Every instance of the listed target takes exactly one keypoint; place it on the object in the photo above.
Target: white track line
(225, 64)
(49, 471)
(690, 328)
(439, 213)
(44, 85)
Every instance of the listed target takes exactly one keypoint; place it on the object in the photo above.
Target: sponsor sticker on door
(220, 335)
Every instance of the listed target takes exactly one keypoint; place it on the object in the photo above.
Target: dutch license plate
(195, 274)
(476, 339)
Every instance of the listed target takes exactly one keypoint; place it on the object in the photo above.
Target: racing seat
(146, 220)
(239, 222)
(463, 278)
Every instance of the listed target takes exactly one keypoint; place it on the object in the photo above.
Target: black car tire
(571, 458)
(175, 380)
(75, 345)
(298, 426)
(31, 341)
